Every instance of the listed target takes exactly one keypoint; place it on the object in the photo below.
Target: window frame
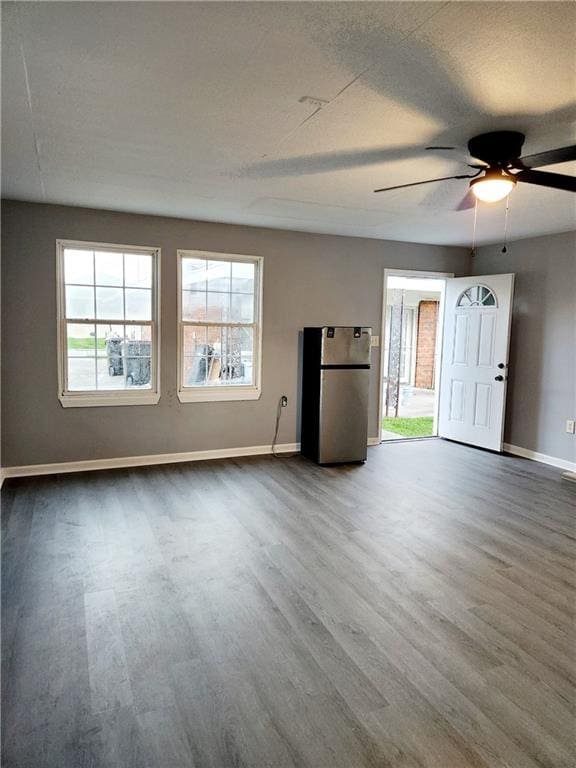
(97, 397)
(477, 303)
(222, 392)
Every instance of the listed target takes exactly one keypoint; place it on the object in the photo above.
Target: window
(219, 326)
(477, 296)
(108, 324)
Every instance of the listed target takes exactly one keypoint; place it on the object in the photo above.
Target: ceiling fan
(499, 167)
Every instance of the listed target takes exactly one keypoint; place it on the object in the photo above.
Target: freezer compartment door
(345, 346)
(343, 415)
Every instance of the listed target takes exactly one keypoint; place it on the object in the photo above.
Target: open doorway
(411, 352)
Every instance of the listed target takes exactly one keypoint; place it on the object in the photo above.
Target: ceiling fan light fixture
(493, 186)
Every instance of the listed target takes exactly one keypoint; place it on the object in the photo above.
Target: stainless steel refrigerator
(335, 387)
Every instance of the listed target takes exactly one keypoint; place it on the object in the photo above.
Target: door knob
(498, 378)
(501, 365)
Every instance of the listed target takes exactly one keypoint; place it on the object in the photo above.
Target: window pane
(477, 295)
(194, 274)
(138, 304)
(137, 270)
(242, 277)
(81, 373)
(139, 333)
(137, 375)
(221, 338)
(242, 308)
(216, 343)
(109, 339)
(106, 380)
(78, 266)
(242, 344)
(231, 350)
(194, 305)
(194, 371)
(110, 303)
(81, 339)
(195, 359)
(79, 302)
(217, 356)
(138, 371)
(217, 310)
(218, 275)
(124, 355)
(109, 268)
(199, 357)
(194, 340)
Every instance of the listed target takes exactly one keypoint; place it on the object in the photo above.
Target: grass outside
(87, 343)
(419, 426)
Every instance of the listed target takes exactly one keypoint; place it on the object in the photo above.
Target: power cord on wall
(282, 403)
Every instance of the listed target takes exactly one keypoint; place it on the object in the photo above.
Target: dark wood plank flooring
(417, 611)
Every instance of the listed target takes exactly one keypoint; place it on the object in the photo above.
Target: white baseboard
(221, 453)
(516, 450)
(144, 461)
(149, 460)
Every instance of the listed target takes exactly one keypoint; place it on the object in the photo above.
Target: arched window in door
(477, 296)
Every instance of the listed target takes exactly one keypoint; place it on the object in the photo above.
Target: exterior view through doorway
(412, 317)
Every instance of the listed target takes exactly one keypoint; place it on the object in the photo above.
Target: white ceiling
(196, 110)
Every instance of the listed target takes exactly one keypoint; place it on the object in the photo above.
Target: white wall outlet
(570, 426)
(375, 341)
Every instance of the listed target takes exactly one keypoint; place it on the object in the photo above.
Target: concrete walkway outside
(413, 403)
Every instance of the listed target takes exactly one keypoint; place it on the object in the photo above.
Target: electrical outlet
(375, 341)
(570, 426)
(284, 401)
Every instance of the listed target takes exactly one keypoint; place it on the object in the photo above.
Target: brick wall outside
(426, 344)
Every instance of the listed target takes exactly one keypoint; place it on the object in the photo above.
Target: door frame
(439, 330)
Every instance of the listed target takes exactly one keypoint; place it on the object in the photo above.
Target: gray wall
(308, 280)
(542, 383)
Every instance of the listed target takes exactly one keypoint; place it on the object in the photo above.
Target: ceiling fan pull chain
(505, 247)
(473, 249)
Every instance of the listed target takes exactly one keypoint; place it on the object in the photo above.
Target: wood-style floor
(414, 611)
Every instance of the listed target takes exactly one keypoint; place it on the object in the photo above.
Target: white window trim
(222, 393)
(98, 398)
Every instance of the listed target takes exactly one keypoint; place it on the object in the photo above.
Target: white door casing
(474, 369)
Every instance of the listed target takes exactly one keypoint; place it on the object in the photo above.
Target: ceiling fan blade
(551, 157)
(467, 202)
(545, 179)
(428, 181)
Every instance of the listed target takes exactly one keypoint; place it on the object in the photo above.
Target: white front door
(477, 313)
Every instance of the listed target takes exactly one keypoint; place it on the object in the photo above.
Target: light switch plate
(570, 426)
(375, 341)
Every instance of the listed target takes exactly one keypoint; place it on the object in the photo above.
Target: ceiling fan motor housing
(497, 149)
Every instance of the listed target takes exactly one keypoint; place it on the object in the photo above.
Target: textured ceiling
(197, 110)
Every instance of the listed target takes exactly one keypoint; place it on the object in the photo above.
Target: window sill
(82, 400)
(218, 394)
